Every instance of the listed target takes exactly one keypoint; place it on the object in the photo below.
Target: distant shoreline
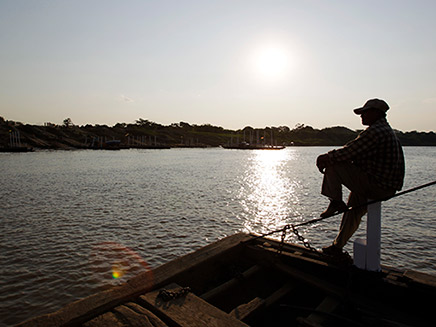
(150, 135)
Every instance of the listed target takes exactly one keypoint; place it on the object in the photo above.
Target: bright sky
(226, 63)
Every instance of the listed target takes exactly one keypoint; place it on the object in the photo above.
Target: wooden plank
(291, 248)
(231, 283)
(328, 305)
(189, 310)
(316, 259)
(279, 294)
(313, 280)
(134, 318)
(245, 310)
(131, 314)
(421, 278)
(155, 321)
(373, 305)
(306, 323)
(105, 320)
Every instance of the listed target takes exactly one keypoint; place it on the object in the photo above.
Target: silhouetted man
(371, 166)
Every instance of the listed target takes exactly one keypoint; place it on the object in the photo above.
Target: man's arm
(358, 148)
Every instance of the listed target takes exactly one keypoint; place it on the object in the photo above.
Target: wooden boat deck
(243, 281)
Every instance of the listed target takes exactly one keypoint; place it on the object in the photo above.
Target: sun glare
(267, 190)
(271, 62)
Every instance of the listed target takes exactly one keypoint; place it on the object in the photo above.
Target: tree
(68, 122)
(143, 122)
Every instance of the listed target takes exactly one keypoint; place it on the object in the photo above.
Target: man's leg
(332, 182)
(351, 219)
(361, 189)
(357, 182)
(334, 177)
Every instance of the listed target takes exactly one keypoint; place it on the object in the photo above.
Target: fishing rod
(290, 226)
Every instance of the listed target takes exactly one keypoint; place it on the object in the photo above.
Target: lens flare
(116, 274)
(114, 263)
(118, 271)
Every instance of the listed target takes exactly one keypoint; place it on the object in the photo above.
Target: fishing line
(289, 226)
(368, 203)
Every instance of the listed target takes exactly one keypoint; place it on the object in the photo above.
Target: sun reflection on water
(267, 193)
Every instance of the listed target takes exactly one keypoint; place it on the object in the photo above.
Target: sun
(271, 62)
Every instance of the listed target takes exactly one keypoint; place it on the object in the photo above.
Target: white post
(373, 237)
(367, 252)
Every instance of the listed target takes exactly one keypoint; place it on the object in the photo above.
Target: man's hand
(322, 162)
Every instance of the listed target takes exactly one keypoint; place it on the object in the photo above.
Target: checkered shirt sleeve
(378, 152)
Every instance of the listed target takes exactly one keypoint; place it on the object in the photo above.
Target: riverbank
(146, 134)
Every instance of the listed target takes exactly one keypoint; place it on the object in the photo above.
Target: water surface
(76, 222)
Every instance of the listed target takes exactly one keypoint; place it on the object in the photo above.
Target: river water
(76, 222)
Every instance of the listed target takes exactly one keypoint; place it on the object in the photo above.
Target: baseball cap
(373, 103)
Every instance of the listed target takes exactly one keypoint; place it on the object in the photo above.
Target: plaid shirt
(378, 152)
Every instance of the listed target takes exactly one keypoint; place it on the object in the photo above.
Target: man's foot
(332, 250)
(334, 207)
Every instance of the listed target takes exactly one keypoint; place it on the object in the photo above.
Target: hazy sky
(226, 63)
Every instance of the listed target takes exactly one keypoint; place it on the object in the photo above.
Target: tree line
(145, 132)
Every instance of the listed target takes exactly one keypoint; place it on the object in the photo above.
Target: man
(370, 166)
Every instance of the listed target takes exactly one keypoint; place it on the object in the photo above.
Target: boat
(247, 280)
(112, 145)
(149, 147)
(249, 146)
